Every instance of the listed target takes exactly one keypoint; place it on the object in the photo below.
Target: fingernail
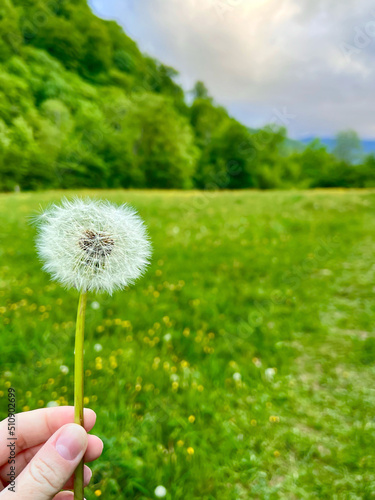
(71, 442)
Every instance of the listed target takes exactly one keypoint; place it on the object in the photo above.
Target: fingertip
(97, 443)
(64, 495)
(89, 417)
(87, 475)
(94, 448)
(71, 441)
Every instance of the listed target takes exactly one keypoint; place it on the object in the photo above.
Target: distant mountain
(329, 142)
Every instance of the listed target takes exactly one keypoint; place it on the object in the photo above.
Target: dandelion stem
(78, 386)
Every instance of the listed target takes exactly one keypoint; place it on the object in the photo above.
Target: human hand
(48, 449)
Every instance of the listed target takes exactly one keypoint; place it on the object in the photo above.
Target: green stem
(78, 386)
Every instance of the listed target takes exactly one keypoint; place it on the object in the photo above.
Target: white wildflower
(64, 369)
(52, 404)
(93, 245)
(237, 376)
(160, 491)
(270, 373)
(167, 337)
(98, 347)
(95, 305)
(257, 362)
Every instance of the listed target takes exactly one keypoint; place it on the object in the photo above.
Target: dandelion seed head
(93, 245)
(160, 491)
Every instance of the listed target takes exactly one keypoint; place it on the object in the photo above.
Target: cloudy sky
(307, 64)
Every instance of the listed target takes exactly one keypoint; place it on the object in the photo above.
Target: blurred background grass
(241, 366)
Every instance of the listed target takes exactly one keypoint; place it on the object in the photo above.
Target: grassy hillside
(241, 366)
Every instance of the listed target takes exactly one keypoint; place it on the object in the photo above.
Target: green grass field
(240, 367)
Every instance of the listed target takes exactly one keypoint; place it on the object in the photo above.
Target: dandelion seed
(95, 305)
(64, 369)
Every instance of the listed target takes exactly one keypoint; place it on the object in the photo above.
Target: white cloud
(314, 57)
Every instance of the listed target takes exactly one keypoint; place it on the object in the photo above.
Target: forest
(82, 107)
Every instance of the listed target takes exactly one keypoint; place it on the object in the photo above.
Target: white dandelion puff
(270, 373)
(52, 404)
(160, 491)
(93, 245)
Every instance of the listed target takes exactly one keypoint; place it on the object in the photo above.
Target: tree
(206, 119)
(348, 147)
(200, 91)
(271, 169)
(228, 160)
(97, 50)
(162, 145)
(314, 163)
(62, 41)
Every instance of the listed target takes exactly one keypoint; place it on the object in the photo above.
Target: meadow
(241, 366)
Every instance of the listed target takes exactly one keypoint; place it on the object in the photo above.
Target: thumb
(53, 465)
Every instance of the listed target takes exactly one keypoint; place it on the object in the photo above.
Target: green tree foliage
(228, 160)
(313, 164)
(162, 143)
(200, 91)
(348, 147)
(81, 106)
